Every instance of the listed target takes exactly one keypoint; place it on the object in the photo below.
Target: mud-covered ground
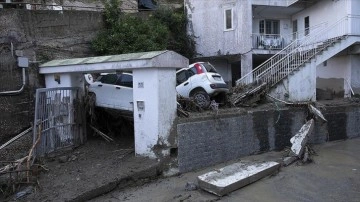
(70, 173)
(334, 175)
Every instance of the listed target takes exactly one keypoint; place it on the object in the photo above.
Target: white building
(320, 38)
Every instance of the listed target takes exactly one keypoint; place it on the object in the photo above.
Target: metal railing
(268, 41)
(301, 50)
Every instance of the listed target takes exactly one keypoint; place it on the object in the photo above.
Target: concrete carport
(154, 93)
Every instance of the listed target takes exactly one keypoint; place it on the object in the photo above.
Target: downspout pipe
(15, 92)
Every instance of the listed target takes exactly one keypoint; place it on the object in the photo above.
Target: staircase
(287, 61)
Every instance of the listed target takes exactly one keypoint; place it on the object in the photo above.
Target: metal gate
(59, 117)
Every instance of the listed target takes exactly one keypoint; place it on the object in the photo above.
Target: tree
(126, 33)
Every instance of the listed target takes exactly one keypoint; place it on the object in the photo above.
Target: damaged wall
(211, 140)
(39, 36)
(332, 76)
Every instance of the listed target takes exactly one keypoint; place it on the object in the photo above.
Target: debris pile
(244, 95)
(300, 149)
(23, 171)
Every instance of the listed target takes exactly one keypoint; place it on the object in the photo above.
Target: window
(109, 78)
(269, 27)
(125, 80)
(228, 17)
(307, 25)
(184, 75)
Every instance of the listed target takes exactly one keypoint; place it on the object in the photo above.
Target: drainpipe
(14, 92)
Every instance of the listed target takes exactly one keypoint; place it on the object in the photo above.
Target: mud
(333, 176)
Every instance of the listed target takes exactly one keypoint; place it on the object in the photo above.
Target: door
(183, 82)
(123, 92)
(295, 29)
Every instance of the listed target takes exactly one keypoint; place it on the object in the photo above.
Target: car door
(123, 92)
(183, 82)
(103, 88)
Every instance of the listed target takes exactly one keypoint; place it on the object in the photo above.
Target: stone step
(235, 176)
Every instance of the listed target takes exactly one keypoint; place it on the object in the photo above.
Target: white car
(112, 90)
(200, 81)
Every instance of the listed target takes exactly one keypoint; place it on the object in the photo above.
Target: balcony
(269, 41)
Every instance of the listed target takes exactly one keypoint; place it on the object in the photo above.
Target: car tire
(201, 98)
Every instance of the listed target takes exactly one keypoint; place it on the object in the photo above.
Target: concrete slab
(317, 112)
(235, 176)
(289, 160)
(299, 140)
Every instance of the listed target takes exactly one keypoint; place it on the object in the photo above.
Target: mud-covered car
(202, 82)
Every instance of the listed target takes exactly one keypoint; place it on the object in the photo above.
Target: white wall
(325, 11)
(355, 73)
(336, 68)
(298, 87)
(66, 80)
(153, 123)
(207, 24)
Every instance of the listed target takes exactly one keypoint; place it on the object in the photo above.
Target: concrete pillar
(246, 63)
(154, 108)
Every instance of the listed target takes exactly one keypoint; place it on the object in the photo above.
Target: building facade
(248, 38)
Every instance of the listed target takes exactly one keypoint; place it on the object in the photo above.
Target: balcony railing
(268, 41)
(280, 41)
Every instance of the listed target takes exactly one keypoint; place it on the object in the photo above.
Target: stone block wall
(218, 139)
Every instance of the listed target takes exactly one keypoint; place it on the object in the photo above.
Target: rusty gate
(59, 120)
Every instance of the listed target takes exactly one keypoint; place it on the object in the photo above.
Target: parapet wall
(221, 138)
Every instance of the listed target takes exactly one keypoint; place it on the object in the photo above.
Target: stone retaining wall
(213, 140)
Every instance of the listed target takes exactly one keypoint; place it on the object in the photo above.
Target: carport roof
(166, 58)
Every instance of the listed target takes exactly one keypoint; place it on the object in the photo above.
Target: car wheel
(201, 98)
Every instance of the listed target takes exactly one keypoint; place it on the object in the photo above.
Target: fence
(58, 119)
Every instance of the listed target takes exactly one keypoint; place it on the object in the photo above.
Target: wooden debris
(188, 104)
(107, 138)
(31, 152)
(247, 94)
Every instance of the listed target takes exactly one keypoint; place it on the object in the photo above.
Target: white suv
(202, 82)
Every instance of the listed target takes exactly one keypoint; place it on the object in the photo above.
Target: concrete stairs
(291, 63)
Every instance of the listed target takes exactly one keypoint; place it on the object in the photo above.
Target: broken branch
(107, 138)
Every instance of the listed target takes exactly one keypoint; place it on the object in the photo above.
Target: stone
(235, 176)
(299, 140)
(190, 186)
(62, 159)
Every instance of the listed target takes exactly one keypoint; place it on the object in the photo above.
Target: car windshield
(208, 67)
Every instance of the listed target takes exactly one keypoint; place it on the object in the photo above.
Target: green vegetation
(127, 33)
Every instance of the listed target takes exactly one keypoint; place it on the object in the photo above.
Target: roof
(165, 58)
(101, 59)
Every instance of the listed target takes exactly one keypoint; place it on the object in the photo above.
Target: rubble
(190, 186)
(317, 112)
(235, 176)
(289, 160)
(299, 140)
